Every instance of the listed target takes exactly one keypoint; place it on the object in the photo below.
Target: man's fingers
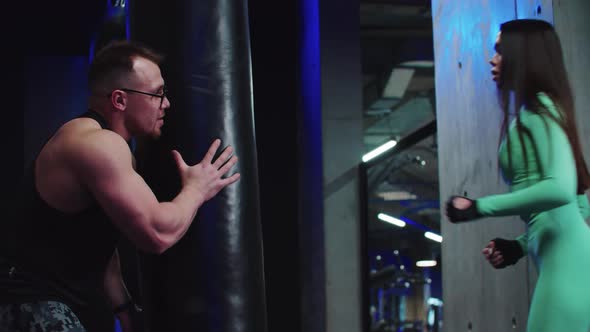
(178, 159)
(225, 168)
(208, 159)
(227, 181)
(223, 158)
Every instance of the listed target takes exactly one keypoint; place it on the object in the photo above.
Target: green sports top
(548, 178)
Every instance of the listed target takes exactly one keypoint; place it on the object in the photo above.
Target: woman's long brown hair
(532, 62)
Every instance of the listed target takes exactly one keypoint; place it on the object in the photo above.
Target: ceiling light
(426, 263)
(418, 64)
(433, 237)
(391, 220)
(379, 150)
(396, 195)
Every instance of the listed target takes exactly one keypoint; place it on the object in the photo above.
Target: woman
(541, 159)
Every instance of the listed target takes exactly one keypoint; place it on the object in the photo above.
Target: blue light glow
(311, 101)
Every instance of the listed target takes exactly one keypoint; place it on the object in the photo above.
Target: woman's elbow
(561, 196)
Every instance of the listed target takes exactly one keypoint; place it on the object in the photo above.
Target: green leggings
(559, 243)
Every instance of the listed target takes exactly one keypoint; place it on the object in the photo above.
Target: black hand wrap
(510, 250)
(461, 215)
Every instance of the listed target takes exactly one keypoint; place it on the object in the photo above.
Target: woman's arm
(557, 185)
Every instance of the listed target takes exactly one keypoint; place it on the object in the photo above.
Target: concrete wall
(573, 26)
(342, 152)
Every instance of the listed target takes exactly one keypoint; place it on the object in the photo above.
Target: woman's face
(496, 60)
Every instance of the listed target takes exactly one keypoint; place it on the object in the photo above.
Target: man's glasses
(162, 96)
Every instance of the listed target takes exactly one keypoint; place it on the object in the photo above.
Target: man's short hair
(115, 60)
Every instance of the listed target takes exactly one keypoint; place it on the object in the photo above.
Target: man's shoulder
(85, 131)
(82, 139)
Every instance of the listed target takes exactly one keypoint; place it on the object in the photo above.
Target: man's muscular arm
(102, 163)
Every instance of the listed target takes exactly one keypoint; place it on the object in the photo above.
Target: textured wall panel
(540, 9)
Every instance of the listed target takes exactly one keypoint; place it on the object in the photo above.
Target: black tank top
(47, 254)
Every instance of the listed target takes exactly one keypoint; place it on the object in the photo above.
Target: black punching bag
(212, 280)
(113, 26)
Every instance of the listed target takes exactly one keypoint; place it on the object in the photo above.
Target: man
(59, 268)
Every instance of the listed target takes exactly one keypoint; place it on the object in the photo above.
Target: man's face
(146, 112)
(496, 60)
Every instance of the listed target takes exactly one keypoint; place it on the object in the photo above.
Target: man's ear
(119, 100)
